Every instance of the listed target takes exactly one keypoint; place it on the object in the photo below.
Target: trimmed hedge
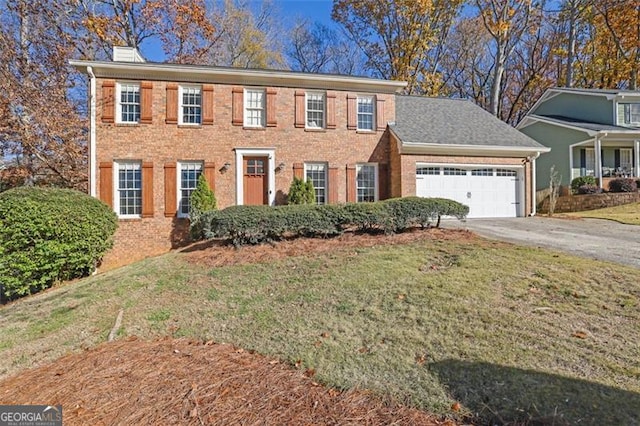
(589, 189)
(623, 185)
(256, 224)
(576, 183)
(48, 235)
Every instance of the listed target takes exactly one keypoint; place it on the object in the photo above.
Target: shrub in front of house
(203, 199)
(256, 224)
(49, 235)
(623, 185)
(301, 192)
(589, 189)
(582, 181)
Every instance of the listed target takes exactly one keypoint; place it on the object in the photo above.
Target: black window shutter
(583, 158)
(617, 158)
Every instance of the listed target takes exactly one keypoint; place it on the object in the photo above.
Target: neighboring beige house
(155, 127)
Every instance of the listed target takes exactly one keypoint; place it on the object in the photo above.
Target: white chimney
(126, 54)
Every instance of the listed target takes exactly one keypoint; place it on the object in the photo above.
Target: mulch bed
(194, 383)
(216, 253)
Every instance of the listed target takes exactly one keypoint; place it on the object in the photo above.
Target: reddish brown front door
(256, 181)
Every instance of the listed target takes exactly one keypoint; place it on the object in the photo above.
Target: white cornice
(458, 149)
(239, 76)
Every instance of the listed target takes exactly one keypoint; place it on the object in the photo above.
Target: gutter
(92, 132)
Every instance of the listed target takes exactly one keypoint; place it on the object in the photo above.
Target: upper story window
(365, 112)
(316, 173)
(632, 114)
(190, 108)
(254, 110)
(128, 109)
(366, 182)
(128, 199)
(187, 182)
(315, 110)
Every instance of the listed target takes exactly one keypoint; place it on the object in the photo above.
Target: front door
(255, 181)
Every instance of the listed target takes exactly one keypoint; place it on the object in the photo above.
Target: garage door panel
(489, 192)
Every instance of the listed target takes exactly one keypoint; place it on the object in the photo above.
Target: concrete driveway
(592, 238)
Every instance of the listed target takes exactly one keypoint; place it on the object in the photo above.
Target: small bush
(623, 185)
(301, 192)
(581, 181)
(589, 189)
(203, 200)
(256, 224)
(48, 235)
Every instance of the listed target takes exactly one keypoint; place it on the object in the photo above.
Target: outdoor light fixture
(224, 168)
(280, 167)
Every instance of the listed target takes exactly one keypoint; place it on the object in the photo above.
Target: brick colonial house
(155, 127)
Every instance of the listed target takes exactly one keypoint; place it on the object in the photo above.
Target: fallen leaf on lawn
(455, 406)
(317, 344)
(363, 350)
(580, 334)
(298, 363)
(401, 296)
(325, 335)
(310, 372)
(239, 351)
(420, 359)
(274, 362)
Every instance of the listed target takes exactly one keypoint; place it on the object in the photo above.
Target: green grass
(488, 324)
(627, 213)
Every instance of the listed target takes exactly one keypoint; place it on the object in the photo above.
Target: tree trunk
(571, 48)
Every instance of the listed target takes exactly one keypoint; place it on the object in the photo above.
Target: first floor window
(316, 173)
(365, 113)
(190, 105)
(188, 180)
(129, 189)
(315, 110)
(128, 103)
(254, 108)
(366, 183)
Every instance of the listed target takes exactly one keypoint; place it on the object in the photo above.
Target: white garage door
(489, 192)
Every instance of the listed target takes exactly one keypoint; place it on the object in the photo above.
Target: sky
(290, 10)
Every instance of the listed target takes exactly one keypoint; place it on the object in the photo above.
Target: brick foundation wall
(577, 203)
(159, 143)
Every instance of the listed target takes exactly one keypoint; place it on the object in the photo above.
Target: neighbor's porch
(606, 159)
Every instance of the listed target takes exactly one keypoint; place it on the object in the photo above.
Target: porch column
(636, 157)
(598, 157)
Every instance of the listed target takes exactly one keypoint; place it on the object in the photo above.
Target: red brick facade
(162, 143)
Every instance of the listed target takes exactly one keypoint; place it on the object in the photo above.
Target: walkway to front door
(256, 180)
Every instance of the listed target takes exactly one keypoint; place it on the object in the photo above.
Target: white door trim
(270, 153)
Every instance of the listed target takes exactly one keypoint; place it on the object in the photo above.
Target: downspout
(533, 183)
(92, 132)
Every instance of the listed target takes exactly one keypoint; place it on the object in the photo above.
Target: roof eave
(202, 74)
(458, 149)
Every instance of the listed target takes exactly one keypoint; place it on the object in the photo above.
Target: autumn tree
(403, 39)
(41, 122)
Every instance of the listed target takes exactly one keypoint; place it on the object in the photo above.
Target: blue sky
(290, 10)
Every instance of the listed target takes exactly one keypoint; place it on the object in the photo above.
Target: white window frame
(372, 99)
(375, 182)
(119, 101)
(262, 108)
(590, 154)
(307, 167)
(117, 189)
(179, 187)
(323, 95)
(181, 105)
(628, 118)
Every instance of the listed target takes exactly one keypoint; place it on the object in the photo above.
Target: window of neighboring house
(128, 199)
(590, 161)
(315, 110)
(366, 182)
(632, 114)
(626, 160)
(187, 182)
(254, 108)
(128, 96)
(365, 112)
(316, 173)
(190, 108)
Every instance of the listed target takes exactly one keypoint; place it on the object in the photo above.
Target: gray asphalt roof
(587, 125)
(453, 121)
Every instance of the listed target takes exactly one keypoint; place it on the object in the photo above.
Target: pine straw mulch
(216, 253)
(193, 383)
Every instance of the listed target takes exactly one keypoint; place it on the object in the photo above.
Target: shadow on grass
(505, 395)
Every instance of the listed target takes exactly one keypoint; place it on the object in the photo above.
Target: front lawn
(626, 213)
(511, 333)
